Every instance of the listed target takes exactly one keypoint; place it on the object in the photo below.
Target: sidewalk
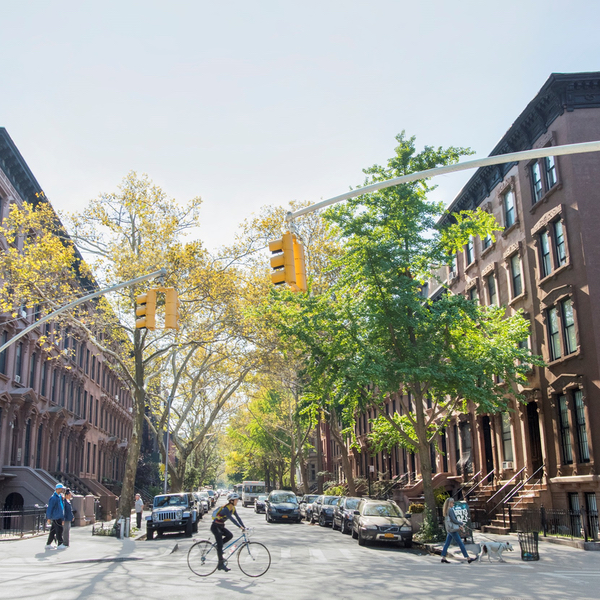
(84, 547)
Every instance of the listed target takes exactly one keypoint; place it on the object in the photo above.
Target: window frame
(492, 277)
(510, 212)
(516, 277)
(564, 427)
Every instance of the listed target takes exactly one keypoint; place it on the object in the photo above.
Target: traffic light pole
(470, 164)
(160, 273)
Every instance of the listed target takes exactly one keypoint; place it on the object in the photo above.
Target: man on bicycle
(221, 533)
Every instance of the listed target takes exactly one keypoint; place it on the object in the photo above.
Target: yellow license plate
(389, 535)
(284, 516)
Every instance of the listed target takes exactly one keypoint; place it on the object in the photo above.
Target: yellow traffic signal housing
(171, 308)
(283, 261)
(300, 266)
(146, 310)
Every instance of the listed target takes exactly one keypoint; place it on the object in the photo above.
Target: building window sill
(516, 299)
(470, 265)
(554, 274)
(545, 197)
(487, 250)
(563, 359)
(510, 229)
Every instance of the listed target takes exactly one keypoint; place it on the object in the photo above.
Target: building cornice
(561, 92)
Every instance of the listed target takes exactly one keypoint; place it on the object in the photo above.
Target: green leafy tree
(374, 334)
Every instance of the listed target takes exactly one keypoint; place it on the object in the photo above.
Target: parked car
(202, 509)
(343, 513)
(205, 499)
(305, 505)
(322, 511)
(259, 505)
(212, 496)
(381, 520)
(173, 512)
(282, 505)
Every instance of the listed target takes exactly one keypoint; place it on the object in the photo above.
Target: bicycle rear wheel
(202, 558)
(254, 559)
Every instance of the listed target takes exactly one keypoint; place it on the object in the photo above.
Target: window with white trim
(544, 176)
(490, 284)
(510, 213)
(515, 275)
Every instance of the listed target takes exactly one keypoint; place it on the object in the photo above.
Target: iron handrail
(507, 483)
(480, 482)
(467, 483)
(517, 489)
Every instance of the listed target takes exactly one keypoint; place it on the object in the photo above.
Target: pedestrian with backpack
(218, 529)
(55, 513)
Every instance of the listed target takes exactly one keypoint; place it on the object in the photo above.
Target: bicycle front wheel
(254, 559)
(202, 558)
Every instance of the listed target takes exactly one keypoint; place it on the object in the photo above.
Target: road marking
(286, 553)
(317, 556)
(347, 554)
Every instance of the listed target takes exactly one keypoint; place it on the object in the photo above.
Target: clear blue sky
(253, 103)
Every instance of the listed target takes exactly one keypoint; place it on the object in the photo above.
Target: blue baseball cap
(60, 486)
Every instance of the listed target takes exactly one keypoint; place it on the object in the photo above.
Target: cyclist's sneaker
(223, 566)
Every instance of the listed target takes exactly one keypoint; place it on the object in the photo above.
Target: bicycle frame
(233, 543)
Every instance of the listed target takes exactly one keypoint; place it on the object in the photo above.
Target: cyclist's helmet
(233, 496)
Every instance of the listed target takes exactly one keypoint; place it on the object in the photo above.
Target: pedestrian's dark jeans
(56, 531)
(138, 517)
(222, 536)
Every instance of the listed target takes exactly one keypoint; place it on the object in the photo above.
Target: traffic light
(171, 308)
(146, 310)
(283, 261)
(300, 266)
(288, 262)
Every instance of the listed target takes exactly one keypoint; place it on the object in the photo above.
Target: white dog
(496, 549)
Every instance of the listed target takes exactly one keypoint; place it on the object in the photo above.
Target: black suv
(322, 512)
(343, 513)
(173, 512)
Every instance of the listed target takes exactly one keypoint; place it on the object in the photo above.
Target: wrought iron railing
(556, 522)
(19, 522)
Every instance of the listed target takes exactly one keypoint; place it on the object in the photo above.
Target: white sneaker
(49, 547)
(62, 547)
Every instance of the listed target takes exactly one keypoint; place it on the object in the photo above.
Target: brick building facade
(64, 415)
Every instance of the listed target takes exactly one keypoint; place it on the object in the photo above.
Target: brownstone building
(64, 415)
(545, 262)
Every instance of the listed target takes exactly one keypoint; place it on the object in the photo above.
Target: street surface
(308, 562)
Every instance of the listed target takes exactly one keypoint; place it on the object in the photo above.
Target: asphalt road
(308, 562)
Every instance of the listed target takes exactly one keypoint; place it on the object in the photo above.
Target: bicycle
(253, 558)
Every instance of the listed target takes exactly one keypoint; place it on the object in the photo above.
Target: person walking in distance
(218, 529)
(139, 507)
(68, 518)
(55, 513)
(453, 527)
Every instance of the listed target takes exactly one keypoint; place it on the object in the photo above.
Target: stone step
(495, 529)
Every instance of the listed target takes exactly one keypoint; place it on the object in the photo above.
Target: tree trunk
(424, 455)
(346, 465)
(319, 458)
(303, 471)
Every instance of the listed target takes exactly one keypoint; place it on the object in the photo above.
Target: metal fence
(22, 521)
(574, 524)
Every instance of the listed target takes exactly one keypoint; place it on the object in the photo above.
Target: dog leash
(478, 533)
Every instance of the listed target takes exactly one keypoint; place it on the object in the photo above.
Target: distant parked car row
(366, 519)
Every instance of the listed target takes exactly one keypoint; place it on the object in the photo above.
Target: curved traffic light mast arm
(160, 273)
(469, 164)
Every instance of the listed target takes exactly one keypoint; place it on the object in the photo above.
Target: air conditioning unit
(452, 275)
(18, 378)
(507, 465)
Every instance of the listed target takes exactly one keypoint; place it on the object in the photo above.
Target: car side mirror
(408, 515)
(357, 512)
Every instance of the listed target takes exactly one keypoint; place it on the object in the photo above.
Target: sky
(248, 104)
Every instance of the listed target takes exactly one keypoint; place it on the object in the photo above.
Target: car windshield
(382, 510)
(352, 503)
(161, 501)
(203, 495)
(210, 493)
(330, 499)
(283, 498)
(311, 498)
(262, 498)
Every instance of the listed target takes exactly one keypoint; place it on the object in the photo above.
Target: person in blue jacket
(55, 513)
(68, 518)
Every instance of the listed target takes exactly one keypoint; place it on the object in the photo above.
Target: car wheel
(322, 520)
(408, 544)
(189, 527)
(195, 527)
(149, 534)
(361, 540)
(333, 525)
(267, 518)
(343, 526)
(354, 534)
(159, 533)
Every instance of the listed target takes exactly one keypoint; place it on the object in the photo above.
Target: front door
(535, 443)
(487, 445)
